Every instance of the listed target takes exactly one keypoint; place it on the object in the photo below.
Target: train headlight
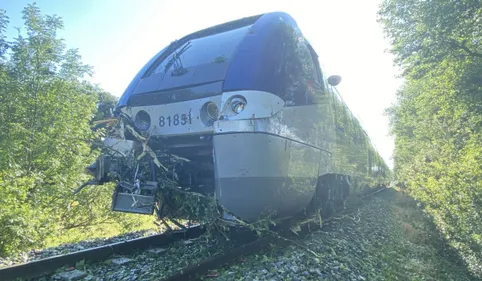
(142, 120)
(238, 104)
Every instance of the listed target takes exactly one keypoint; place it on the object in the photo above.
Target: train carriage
(250, 119)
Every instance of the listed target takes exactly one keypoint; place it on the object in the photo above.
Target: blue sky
(117, 37)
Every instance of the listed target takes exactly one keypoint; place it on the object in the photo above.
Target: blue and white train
(240, 112)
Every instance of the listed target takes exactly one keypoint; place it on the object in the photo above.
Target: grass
(108, 230)
(417, 250)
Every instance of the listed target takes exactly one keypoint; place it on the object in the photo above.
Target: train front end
(195, 125)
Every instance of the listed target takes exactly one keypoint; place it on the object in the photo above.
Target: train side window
(319, 74)
(300, 77)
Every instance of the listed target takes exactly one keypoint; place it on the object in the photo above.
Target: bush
(46, 107)
(437, 119)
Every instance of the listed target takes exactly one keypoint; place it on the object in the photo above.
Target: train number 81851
(175, 120)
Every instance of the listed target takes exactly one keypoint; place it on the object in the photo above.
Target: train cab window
(217, 48)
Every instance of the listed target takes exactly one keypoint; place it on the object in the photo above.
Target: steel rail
(48, 265)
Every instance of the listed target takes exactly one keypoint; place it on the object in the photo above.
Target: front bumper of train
(257, 170)
(255, 175)
(260, 174)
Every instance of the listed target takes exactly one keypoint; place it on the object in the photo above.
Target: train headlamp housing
(142, 121)
(248, 105)
(212, 111)
(238, 104)
(209, 113)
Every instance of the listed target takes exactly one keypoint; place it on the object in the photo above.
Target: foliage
(424, 33)
(46, 107)
(437, 119)
(105, 103)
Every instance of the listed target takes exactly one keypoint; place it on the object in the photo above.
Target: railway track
(191, 272)
(195, 271)
(46, 266)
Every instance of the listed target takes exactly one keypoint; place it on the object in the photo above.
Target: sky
(117, 37)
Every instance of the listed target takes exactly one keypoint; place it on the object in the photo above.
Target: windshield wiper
(176, 61)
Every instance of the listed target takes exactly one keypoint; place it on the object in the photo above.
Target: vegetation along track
(194, 265)
(383, 237)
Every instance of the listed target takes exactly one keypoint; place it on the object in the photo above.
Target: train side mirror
(334, 80)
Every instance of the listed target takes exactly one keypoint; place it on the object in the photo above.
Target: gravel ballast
(385, 238)
(151, 264)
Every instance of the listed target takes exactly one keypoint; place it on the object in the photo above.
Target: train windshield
(217, 48)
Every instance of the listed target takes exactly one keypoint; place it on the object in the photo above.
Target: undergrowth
(418, 251)
(102, 231)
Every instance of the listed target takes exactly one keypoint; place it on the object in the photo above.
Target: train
(241, 114)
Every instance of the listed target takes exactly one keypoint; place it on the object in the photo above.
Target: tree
(46, 109)
(437, 119)
(424, 33)
(106, 102)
